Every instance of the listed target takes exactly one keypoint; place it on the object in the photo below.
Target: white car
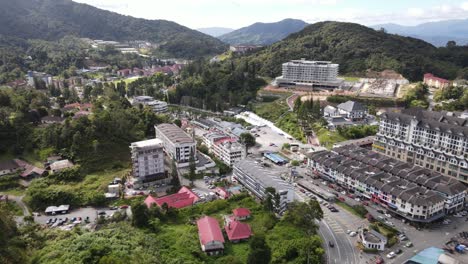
(389, 223)
(324, 183)
(391, 255)
(388, 215)
(352, 234)
(343, 192)
(458, 215)
(348, 231)
(357, 199)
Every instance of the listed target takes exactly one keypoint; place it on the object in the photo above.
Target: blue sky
(240, 13)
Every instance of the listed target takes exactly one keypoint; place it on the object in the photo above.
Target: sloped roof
(209, 230)
(183, 198)
(8, 165)
(236, 230)
(350, 106)
(241, 212)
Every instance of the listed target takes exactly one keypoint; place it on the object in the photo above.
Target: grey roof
(8, 165)
(262, 175)
(351, 106)
(174, 133)
(432, 120)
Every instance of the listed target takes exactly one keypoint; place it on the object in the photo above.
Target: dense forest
(216, 86)
(54, 19)
(358, 48)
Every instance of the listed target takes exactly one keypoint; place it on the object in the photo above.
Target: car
(408, 244)
(101, 213)
(324, 183)
(398, 251)
(113, 208)
(348, 231)
(391, 255)
(357, 199)
(352, 234)
(388, 215)
(343, 192)
(389, 223)
(403, 238)
(331, 244)
(458, 215)
(123, 206)
(464, 213)
(380, 211)
(334, 210)
(49, 221)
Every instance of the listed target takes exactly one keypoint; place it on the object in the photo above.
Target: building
(309, 73)
(243, 48)
(415, 193)
(210, 235)
(372, 239)
(183, 198)
(148, 163)
(241, 213)
(432, 255)
(436, 82)
(29, 171)
(236, 230)
(366, 142)
(156, 105)
(229, 151)
(62, 209)
(61, 165)
(9, 166)
(177, 144)
(352, 110)
(222, 193)
(433, 140)
(257, 179)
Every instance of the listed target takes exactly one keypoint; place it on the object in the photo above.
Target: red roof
(185, 197)
(241, 212)
(430, 76)
(209, 230)
(226, 139)
(236, 230)
(222, 192)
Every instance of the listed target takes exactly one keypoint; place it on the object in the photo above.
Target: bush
(360, 209)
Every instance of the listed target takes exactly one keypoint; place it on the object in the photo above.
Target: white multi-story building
(229, 151)
(372, 239)
(415, 193)
(155, 105)
(177, 144)
(148, 163)
(311, 73)
(433, 140)
(257, 179)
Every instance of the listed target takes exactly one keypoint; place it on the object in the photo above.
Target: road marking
(334, 238)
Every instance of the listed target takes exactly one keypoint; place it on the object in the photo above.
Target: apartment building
(148, 163)
(415, 193)
(434, 140)
(257, 179)
(436, 82)
(312, 73)
(156, 105)
(224, 147)
(177, 144)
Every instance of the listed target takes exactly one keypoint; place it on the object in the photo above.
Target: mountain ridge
(215, 31)
(263, 33)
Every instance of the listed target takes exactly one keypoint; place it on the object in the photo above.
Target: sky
(240, 13)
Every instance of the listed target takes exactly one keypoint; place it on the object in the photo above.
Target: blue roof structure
(275, 158)
(427, 256)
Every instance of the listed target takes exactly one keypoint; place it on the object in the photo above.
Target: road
(19, 201)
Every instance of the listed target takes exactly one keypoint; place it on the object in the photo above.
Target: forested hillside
(263, 33)
(358, 48)
(54, 19)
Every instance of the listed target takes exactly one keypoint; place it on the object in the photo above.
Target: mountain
(263, 33)
(54, 19)
(358, 48)
(215, 31)
(436, 33)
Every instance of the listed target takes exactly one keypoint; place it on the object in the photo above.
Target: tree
(304, 215)
(175, 182)
(451, 44)
(272, 200)
(297, 104)
(192, 168)
(260, 252)
(248, 140)
(140, 215)
(178, 123)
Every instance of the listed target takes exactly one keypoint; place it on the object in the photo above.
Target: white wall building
(229, 151)
(156, 105)
(304, 72)
(148, 162)
(434, 140)
(257, 179)
(372, 239)
(177, 144)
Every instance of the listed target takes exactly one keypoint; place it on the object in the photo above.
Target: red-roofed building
(241, 213)
(211, 237)
(237, 231)
(29, 171)
(433, 81)
(222, 193)
(124, 72)
(183, 198)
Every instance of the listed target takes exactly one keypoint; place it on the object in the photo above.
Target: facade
(156, 105)
(257, 179)
(415, 193)
(177, 144)
(352, 110)
(433, 140)
(311, 73)
(210, 235)
(372, 239)
(183, 198)
(148, 163)
(224, 147)
(436, 82)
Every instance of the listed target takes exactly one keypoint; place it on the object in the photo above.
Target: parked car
(391, 255)
(380, 211)
(398, 251)
(408, 244)
(348, 231)
(352, 234)
(388, 215)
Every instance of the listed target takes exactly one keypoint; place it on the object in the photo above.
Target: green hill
(54, 19)
(263, 33)
(358, 48)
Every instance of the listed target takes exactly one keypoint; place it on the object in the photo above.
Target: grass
(12, 207)
(326, 137)
(348, 208)
(15, 191)
(127, 80)
(271, 110)
(350, 78)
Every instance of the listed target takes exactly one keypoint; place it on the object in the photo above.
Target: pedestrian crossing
(335, 227)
